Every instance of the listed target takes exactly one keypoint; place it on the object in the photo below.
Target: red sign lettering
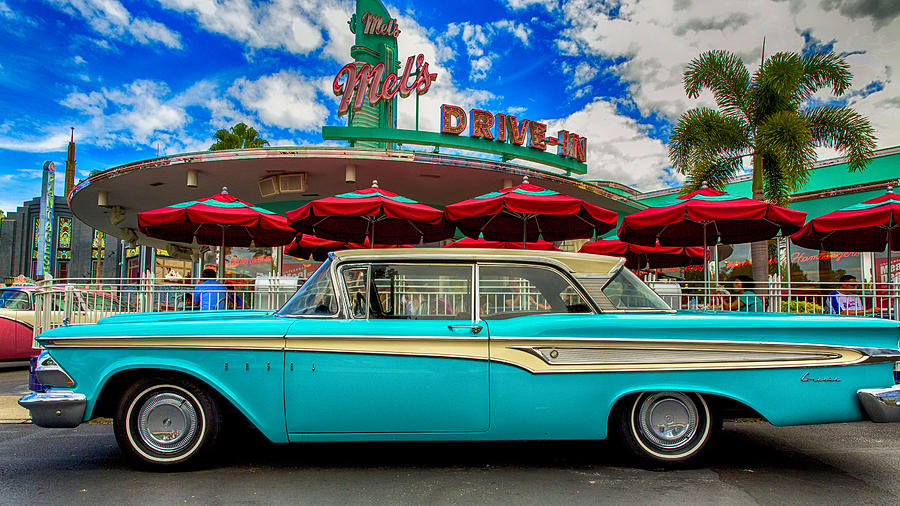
(506, 128)
(366, 81)
(482, 122)
(451, 114)
(375, 25)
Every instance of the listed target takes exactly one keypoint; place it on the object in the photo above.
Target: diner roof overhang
(433, 178)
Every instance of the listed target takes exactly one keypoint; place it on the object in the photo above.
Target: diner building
(286, 177)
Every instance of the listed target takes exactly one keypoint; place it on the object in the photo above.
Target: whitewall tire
(167, 423)
(668, 428)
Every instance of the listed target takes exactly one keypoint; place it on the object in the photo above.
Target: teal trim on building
(830, 187)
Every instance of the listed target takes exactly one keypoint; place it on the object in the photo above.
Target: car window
(505, 291)
(14, 299)
(627, 292)
(315, 297)
(410, 291)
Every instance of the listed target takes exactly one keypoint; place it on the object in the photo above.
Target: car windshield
(315, 297)
(14, 299)
(627, 292)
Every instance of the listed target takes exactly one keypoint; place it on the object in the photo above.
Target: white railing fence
(88, 300)
(879, 300)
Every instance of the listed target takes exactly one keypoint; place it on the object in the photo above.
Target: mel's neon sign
(507, 128)
(375, 25)
(366, 81)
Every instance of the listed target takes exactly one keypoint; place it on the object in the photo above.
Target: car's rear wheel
(668, 428)
(168, 423)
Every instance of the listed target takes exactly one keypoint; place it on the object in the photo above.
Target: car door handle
(474, 328)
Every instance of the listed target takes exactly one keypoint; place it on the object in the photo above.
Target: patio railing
(88, 300)
(879, 300)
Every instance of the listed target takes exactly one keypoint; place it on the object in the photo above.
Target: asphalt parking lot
(756, 463)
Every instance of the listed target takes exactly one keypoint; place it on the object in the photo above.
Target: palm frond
(723, 73)
(824, 69)
(845, 130)
(786, 137)
(240, 137)
(714, 174)
(774, 85)
(703, 136)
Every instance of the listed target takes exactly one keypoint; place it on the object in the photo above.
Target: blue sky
(136, 76)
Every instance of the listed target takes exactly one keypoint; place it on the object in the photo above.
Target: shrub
(799, 306)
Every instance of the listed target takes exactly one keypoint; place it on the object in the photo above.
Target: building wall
(16, 237)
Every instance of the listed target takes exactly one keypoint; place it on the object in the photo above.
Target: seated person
(210, 294)
(746, 299)
(846, 301)
(520, 300)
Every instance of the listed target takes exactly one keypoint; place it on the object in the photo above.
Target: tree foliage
(770, 116)
(240, 137)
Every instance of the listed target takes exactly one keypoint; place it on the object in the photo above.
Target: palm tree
(240, 137)
(770, 117)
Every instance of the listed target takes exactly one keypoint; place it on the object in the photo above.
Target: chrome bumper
(881, 404)
(55, 408)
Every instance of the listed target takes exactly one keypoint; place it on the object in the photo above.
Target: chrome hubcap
(669, 420)
(167, 422)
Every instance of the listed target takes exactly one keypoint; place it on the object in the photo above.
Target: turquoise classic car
(431, 344)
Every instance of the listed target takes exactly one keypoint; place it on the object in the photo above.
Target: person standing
(210, 294)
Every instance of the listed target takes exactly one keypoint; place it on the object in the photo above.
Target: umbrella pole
(222, 255)
(705, 267)
(525, 233)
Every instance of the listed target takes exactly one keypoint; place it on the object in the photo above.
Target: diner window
(409, 291)
(507, 291)
(810, 266)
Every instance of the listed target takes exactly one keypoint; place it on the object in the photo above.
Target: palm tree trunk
(759, 251)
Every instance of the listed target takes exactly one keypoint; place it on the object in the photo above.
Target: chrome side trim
(569, 355)
(55, 409)
(880, 354)
(881, 404)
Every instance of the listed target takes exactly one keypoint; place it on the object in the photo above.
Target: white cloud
(524, 4)
(6, 12)
(291, 25)
(286, 99)
(57, 140)
(584, 72)
(619, 148)
(111, 19)
(444, 90)
(656, 43)
(78, 60)
(478, 38)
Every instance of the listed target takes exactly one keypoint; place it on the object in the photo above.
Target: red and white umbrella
(373, 213)
(872, 225)
(468, 242)
(220, 220)
(526, 212)
(641, 257)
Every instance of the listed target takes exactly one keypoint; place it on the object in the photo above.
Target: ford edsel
(430, 344)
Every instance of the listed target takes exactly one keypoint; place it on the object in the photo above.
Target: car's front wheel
(167, 423)
(667, 428)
